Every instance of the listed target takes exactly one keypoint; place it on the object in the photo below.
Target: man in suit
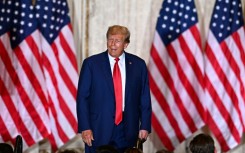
(113, 98)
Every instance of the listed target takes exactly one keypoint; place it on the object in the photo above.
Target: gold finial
(33, 2)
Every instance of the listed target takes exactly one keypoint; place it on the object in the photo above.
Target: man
(113, 99)
(202, 143)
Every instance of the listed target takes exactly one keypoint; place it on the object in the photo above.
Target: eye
(118, 41)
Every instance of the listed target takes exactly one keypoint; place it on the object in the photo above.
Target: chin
(113, 54)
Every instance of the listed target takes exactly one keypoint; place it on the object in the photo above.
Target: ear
(125, 45)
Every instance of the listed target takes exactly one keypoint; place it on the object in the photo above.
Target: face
(116, 45)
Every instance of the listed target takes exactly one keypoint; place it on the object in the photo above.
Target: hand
(143, 134)
(87, 137)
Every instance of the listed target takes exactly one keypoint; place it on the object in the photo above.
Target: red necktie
(117, 80)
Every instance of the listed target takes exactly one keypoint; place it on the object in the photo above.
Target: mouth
(113, 50)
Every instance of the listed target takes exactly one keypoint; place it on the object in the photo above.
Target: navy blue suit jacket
(96, 100)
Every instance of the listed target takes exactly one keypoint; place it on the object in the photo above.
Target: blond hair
(117, 29)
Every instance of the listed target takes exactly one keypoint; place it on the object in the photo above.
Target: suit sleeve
(146, 110)
(84, 85)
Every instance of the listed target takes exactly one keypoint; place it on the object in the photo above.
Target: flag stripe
(67, 48)
(60, 131)
(216, 130)
(162, 134)
(241, 36)
(5, 135)
(53, 141)
(8, 125)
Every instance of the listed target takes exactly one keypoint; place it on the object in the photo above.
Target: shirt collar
(112, 59)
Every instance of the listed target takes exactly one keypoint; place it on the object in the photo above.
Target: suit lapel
(107, 71)
(129, 70)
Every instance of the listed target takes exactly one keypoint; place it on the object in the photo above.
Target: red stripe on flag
(4, 131)
(196, 35)
(52, 141)
(69, 53)
(216, 131)
(61, 132)
(35, 50)
(161, 133)
(237, 40)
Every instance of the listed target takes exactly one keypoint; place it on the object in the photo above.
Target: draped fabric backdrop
(91, 18)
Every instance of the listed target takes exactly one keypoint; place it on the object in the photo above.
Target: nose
(113, 42)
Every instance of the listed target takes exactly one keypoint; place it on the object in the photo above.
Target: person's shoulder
(94, 59)
(96, 56)
(134, 57)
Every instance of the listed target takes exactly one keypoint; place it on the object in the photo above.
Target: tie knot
(117, 59)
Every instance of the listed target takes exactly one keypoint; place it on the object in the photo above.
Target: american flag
(38, 72)
(176, 72)
(22, 80)
(225, 71)
(60, 67)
